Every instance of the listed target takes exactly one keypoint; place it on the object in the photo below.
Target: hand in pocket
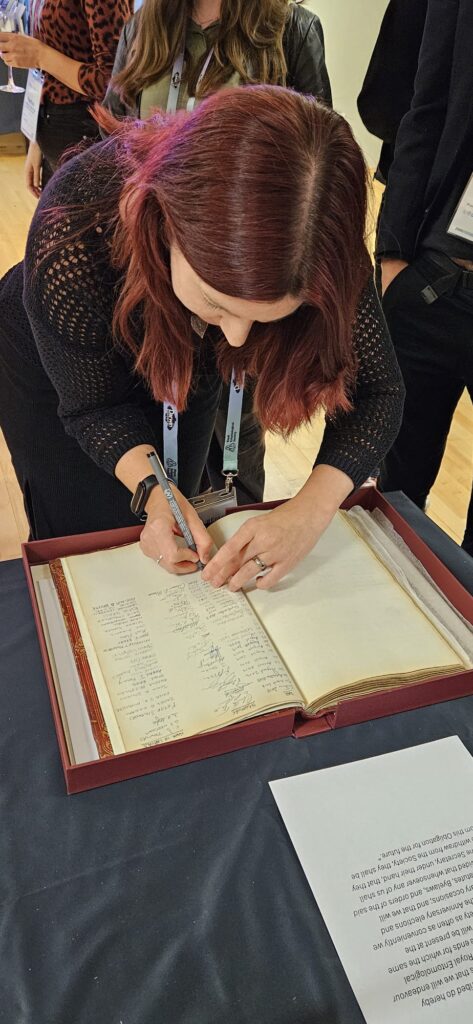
(389, 271)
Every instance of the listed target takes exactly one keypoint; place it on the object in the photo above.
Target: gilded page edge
(94, 707)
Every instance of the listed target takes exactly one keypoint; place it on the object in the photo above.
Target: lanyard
(176, 78)
(232, 430)
(232, 436)
(34, 16)
(235, 401)
(32, 103)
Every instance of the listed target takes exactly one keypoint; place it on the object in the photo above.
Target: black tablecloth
(176, 898)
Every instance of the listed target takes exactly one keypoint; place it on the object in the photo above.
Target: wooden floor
(287, 464)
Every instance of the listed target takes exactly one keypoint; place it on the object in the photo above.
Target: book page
(386, 845)
(339, 617)
(394, 553)
(177, 657)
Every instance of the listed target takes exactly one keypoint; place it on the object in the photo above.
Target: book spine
(97, 721)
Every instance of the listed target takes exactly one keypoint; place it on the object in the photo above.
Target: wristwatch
(141, 495)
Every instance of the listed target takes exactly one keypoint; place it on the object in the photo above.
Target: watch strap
(141, 495)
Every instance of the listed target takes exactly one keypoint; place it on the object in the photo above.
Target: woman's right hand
(159, 539)
(33, 164)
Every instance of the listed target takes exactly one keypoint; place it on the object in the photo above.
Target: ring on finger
(158, 560)
(259, 561)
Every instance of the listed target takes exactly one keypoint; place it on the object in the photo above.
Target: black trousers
(61, 126)
(64, 491)
(434, 346)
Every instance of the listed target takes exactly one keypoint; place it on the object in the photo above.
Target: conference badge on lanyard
(32, 103)
(461, 224)
(210, 505)
(214, 504)
(34, 85)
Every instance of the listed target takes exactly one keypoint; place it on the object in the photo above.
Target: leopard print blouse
(87, 31)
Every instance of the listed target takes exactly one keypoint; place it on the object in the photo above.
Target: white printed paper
(387, 847)
(32, 103)
(461, 224)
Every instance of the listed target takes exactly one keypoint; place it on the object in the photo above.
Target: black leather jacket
(388, 87)
(303, 48)
(434, 145)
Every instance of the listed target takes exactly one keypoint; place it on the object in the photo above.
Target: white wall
(350, 29)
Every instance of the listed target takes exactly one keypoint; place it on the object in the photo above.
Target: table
(175, 898)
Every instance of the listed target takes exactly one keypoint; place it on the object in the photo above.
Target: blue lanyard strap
(175, 83)
(170, 440)
(176, 79)
(232, 429)
(232, 435)
(170, 413)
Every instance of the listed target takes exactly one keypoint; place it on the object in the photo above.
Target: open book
(142, 657)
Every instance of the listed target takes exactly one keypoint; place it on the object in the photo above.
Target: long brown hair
(249, 41)
(264, 192)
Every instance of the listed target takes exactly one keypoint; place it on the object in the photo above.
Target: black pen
(163, 481)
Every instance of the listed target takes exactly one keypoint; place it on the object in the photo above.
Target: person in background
(426, 253)
(74, 44)
(388, 87)
(273, 42)
(166, 221)
(251, 41)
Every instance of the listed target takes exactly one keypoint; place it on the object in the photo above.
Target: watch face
(138, 499)
(141, 494)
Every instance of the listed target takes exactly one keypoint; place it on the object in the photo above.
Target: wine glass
(9, 22)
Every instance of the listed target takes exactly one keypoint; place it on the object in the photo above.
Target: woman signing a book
(226, 43)
(226, 243)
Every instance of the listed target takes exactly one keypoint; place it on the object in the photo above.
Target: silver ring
(158, 560)
(259, 561)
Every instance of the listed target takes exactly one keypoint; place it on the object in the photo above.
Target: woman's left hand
(20, 51)
(280, 539)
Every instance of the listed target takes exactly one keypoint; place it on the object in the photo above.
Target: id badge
(31, 103)
(461, 224)
(214, 504)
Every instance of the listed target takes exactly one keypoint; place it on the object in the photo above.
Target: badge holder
(213, 505)
(461, 224)
(32, 103)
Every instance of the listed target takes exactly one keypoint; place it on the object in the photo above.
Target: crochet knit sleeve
(69, 297)
(357, 441)
(70, 293)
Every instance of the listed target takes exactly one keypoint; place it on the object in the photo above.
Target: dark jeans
(434, 346)
(60, 126)
(64, 491)
(249, 483)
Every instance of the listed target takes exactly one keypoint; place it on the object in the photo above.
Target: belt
(463, 276)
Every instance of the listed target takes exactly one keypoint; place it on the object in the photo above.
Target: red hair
(264, 192)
